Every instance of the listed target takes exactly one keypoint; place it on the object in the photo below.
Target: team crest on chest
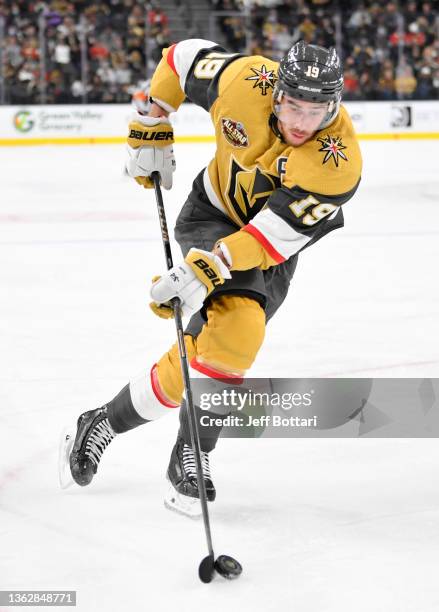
(248, 190)
(332, 147)
(263, 78)
(234, 132)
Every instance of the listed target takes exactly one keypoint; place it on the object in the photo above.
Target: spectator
(281, 40)
(360, 18)
(351, 85)
(306, 30)
(425, 89)
(158, 20)
(386, 83)
(405, 81)
(123, 41)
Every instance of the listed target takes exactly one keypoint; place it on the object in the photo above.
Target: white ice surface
(319, 525)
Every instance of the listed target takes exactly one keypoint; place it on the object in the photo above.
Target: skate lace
(189, 462)
(98, 441)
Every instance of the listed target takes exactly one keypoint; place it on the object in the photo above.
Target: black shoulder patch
(203, 77)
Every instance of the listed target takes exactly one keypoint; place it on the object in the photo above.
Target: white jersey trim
(211, 194)
(184, 55)
(282, 237)
(167, 107)
(334, 214)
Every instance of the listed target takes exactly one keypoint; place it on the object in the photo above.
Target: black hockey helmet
(311, 73)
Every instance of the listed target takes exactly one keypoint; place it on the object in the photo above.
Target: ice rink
(319, 525)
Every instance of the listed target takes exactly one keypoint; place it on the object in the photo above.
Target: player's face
(299, 119)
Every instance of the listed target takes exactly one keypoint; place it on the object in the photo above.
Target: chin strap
(272, 122)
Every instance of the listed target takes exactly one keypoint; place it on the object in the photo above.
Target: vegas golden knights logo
(249, 190)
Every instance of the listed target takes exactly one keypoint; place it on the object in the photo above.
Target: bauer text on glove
(191, 281)
(149, 149)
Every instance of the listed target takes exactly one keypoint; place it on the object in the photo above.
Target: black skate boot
(94, 433)
(183, 495)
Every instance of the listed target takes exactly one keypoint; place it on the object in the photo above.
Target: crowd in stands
(108, 44)
(390, 50)
(99, 50)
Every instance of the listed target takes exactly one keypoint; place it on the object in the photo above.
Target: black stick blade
(228, 567)
(206, 569)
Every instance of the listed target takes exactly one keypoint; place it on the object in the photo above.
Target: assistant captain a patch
(234, 132)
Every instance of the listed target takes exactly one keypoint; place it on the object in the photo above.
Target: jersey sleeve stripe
(251, 229)
(170, 58)
(281, 237)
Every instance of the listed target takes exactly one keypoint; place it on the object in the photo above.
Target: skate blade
(65, 448)
(182, 504)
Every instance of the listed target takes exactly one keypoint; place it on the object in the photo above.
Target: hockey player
(286, 160)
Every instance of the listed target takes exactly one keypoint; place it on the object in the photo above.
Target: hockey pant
(226, 347)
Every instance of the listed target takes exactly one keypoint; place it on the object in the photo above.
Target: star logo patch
(263, 78)
(332, 147)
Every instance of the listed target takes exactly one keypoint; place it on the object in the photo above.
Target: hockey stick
(224, 565)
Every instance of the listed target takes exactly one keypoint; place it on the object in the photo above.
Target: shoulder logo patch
(234, 132)
(263, 78)
(332, 147)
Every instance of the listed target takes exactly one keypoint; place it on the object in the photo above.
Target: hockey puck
(228, 567)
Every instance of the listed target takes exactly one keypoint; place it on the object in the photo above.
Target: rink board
(107, 124)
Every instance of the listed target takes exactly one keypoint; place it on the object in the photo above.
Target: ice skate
(65, 448)
(80, 455)
(183, 495)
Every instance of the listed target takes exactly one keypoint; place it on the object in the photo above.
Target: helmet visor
(300, 114)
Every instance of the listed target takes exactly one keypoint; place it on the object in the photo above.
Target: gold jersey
(285, 197)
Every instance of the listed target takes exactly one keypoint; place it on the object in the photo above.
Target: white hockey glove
(149, 149)
(191, 281)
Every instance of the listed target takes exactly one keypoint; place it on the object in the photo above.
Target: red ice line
(75, 217)
(13, 474)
